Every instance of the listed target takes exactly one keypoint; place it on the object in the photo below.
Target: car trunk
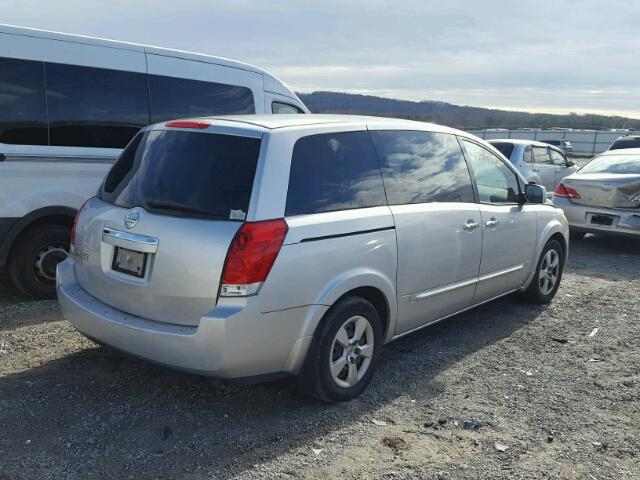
(609, 190)
(154, 244)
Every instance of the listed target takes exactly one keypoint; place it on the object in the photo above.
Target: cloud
(543, 55)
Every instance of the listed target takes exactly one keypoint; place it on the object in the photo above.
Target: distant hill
(454, 115)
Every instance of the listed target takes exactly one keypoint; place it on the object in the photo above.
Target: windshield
(182, 173)
(622, 164)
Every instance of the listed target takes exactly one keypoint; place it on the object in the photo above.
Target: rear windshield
(624, 164)
(505, 148)
(183, 173)
(625, 143)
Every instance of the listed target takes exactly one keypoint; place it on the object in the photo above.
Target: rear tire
(339, 366)
(34, 257)
(548, 274)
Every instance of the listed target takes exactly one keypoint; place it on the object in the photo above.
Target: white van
(69, 104)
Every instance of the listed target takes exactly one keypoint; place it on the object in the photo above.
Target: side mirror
(535, 193)
(570, 163)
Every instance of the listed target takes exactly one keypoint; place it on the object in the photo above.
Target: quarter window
(279, 107)
(95, 107)
(335, 171)
(496, 182)
(173, 98)
(23, 108)
(527, 155)
(420, 167)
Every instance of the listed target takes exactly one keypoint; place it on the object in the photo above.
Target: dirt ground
(508, 391)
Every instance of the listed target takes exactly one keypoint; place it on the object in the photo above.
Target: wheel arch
(52, 215)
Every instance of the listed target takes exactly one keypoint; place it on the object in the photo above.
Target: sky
(554, 56)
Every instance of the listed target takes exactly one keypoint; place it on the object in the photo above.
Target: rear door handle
(492, 223)
(470, 226)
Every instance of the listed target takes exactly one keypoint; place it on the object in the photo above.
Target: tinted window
(279, 107)
(95, 107)
(186, 173)
(540, 155)
(336, 171)
(179, 98)
(495, 181)
(23, 108)
(421, 167)
(505, 148)
(625, 143)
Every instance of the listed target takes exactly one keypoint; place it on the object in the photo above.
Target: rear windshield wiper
(180, 207)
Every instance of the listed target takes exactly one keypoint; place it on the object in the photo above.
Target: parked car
(603, 196)
(69, 104)
(628, 141)
(564, 145)
(538, 162)
(299, 245)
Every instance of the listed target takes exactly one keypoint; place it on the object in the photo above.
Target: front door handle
(492, 223)
(470, 226)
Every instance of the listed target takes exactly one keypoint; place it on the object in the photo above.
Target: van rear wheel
(345, 352)
(33, 261)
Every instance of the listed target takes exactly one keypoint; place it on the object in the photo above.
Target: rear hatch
(154, 241)
(610, 181)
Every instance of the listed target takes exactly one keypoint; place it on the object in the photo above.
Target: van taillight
(250, 257)
(566, 192)
(75, 224)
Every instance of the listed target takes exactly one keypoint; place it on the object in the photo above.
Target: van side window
(496, 182)
(23, 108)
(95, 107)
(334, 171)
(179, 98)
(280, 107)
(421, 167)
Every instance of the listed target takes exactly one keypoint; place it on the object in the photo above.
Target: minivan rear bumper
(231, 341)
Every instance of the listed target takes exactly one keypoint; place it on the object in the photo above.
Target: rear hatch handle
(130, 241)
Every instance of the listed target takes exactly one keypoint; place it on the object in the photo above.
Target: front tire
(33, 261)
(345, 352)
(548, 275)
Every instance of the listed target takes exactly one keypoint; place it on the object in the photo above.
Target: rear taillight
(566, 192)
(75, 224)
(187, 124)
(251, 255)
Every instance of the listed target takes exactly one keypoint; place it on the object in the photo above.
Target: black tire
(315, 378)
(535, 292)
(575, 236)
(34, 257)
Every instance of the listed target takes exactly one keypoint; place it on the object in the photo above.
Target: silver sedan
(603, 196)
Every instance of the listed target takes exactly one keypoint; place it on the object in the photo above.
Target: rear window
(504, 148)
(625, 143)
(621, 164)
(183, 173)
(335, 171)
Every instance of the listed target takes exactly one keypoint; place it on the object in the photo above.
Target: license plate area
(602, 220)
(129, 262)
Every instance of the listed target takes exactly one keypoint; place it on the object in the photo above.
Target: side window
(541, 155)
(279, 107)
(95, 107)
(420, 167)
(173, 98)
(334, 171)
(23, 107)
(527, 155)
(495, 181)
(557, 158)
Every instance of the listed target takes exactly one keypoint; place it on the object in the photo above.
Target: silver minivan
(253, 247)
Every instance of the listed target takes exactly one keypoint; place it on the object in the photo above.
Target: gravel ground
(507, 390)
